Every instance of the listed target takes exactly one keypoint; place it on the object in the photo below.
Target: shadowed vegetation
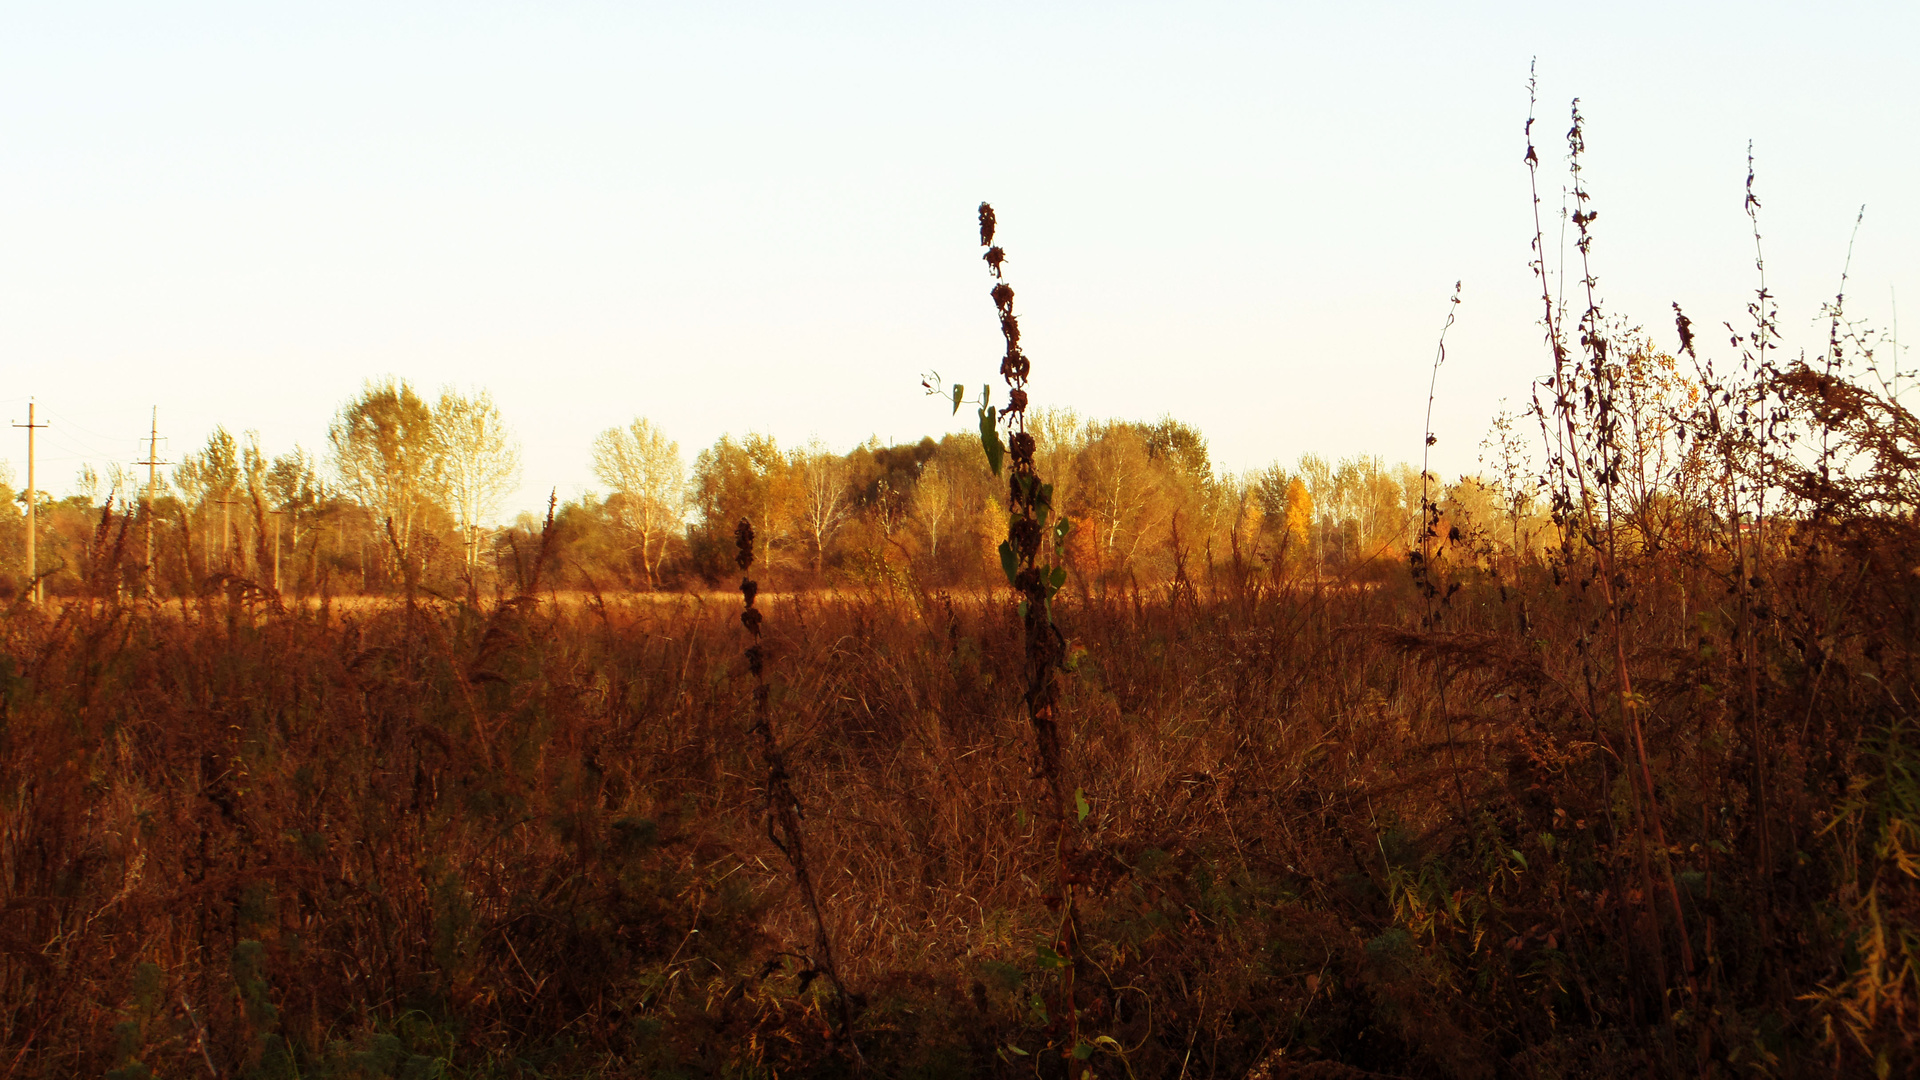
(1602, 766)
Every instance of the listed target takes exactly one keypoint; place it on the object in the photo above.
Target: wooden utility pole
(32, 498)
(153, 464)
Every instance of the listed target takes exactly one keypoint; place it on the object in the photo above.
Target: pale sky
(733, 217)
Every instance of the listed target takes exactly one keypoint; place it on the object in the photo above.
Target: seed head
(1685, 326)
(1022, 445)
(1025, 534)
(986, 226)
(743, 541)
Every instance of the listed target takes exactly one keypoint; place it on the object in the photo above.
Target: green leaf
(1057, 577)
(1521, 858)
(1009, 562)
(1082, 1050)
(1047, 959)
(1062, 527)
(1022, 611)
(1046, 496)
(1017, 1050)
(959, 393)
(990, 437)
(1080, 803)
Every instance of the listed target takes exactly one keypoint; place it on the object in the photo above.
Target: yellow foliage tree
(1296, 535)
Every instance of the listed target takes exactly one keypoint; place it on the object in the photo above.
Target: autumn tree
(477, 463)
(386, 452)
(1374, 513)
(1245, 518)
(253, 470)
(885, 477)
(1197, 507)
(1659, 478)
(1121, 495)
(1060, 437)
(1180, 449)
(826, 502)
(1269, 485)
(1297, 522)
(209, 478)
(86, 484)
(933, 504)
(975, 522)
(1506, 460)
(648, 479)
(734, 479)
(294, 491)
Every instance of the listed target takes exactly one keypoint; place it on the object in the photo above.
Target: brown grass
(1645, 802)
(531, 842)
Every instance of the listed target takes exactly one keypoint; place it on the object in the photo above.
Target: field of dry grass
(1637, 797)
(531, 840)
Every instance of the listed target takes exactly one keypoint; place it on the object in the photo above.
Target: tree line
(408, 489)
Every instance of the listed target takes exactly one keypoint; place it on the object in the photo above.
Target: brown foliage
(262, 838)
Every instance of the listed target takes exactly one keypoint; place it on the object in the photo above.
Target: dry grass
(1646, 802)
(530, 841)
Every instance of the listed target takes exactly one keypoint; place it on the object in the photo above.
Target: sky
(733, 217)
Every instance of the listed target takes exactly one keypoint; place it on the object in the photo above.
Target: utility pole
(152, 463)
(31, 499)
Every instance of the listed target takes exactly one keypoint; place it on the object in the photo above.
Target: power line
(67, 424)
(67, 441)
(31, 499)
(153, 464)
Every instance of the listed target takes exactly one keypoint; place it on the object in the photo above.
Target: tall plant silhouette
(1036, 578)
(1582, 423)
(783, 806)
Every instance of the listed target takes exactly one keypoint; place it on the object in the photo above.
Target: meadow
(531, 840)
(1637, 795)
